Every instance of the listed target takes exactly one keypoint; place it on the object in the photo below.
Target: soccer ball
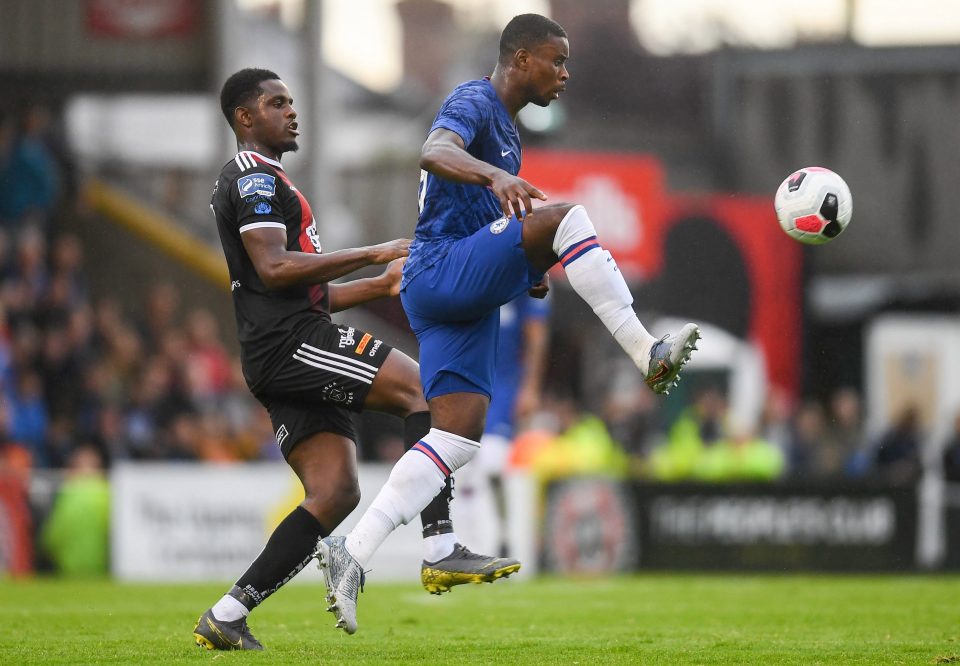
(813, 205)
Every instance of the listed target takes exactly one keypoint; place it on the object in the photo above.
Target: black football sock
(436, 517)
(289, 549)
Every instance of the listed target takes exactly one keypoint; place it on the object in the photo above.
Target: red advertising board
(624, 194)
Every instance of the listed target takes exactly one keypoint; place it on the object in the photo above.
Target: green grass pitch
(645, 619)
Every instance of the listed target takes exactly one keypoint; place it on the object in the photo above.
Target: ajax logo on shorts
(498, 226)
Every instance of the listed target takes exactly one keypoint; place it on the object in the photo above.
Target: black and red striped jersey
(253, 192)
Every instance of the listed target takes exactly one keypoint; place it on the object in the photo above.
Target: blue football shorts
(453, 308)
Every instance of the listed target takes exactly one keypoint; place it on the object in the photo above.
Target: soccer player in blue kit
(479, 243)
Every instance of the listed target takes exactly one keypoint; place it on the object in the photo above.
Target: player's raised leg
(566, 234)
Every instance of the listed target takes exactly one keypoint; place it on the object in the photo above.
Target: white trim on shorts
(341, 365)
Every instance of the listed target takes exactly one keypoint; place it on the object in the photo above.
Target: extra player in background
(516, 395)
(521, 361)
(308, 372)
(479, 244)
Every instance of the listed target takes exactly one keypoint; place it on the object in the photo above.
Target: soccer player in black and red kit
(308, 372)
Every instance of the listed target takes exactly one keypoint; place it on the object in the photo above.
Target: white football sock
(438, 546)
(229, 609)
(594, 275)
(414, 481)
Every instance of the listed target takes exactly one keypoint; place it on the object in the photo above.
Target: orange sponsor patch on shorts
(363, 343)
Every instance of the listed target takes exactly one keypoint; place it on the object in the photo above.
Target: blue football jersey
(449, 210)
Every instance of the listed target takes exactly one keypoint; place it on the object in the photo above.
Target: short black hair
(241, 87)
(527, 31)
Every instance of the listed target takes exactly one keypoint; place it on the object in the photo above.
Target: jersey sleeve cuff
(263, 225)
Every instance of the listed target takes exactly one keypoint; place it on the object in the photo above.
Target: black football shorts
(324, 380)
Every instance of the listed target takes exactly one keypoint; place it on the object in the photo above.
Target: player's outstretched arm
(279, 268)
(345, 295)
(445, 155)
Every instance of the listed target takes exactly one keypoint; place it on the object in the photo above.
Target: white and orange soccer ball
(813, 205)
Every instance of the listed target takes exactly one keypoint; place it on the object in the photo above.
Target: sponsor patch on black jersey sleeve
(257, 184)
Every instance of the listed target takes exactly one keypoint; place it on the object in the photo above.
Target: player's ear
(242, 117)
(521, 59)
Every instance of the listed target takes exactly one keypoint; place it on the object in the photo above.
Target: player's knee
(554, 214)
(562, 208)
(346, 502)
(331, 504)
(573, 225)
(413, 400)
(407, 398)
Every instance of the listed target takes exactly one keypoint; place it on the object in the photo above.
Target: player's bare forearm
(294, 268)
(280, 268)
(443, 157)
(346, 295)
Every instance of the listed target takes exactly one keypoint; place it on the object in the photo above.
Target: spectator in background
(66, 264)
(740, 456)
(61, 371)
(76, 533)
(583, 447)
(6, 260)
(844, 432)
(161, 311)
(61, 440)
(6, 357)
(951, 453)
(108, 319)
(9, 216)
(80, 332)
(154, 402)
(29, 173)
(28, 416)
(215, 443)
(806, 442)
(630, 415)
(700, 426)
(123, 358)
(209, 370)
(14, 456)
(180, 437)
(896, 454)
(30, 278)
(775, 424)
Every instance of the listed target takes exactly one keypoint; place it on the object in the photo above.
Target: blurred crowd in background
(82, 378)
